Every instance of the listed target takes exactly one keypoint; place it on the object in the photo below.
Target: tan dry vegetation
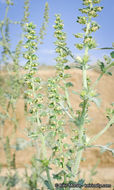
(106, 89)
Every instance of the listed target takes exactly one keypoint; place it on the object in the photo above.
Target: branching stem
(102, 131)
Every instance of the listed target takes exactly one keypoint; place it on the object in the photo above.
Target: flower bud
(79, 59)
(78, 35)
(79, 46)
(82, 20)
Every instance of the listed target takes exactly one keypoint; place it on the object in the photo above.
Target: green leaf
(40, 106)
(109, 73)
(9, 181)
(2, 180)
(101, 65)
(107, 59)
(33, 135)
(112, 54)
(47, 184)
(78, 121)
(69, 84)
(94, 173)
(56, 176)
(67, 76)
(69, 168)
(75, 92)
(79, 46)
(106, 148)
(67, 67)
(81, 181)
(97, 101)
(79, 35)
(59, 175)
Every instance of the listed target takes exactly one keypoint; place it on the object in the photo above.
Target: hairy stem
(101, 75)
(43, 146)
(102, 131)
(49, 179)
(81, 130)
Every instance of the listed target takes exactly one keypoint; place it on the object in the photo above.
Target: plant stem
(98, 79)
(6, 13)
(81, 130)
(101, 75)
(102, 131)
(5, 44)
(49, 179)
(84, 77)
(43, 146)
(67, 96)
(79, 153)
(103, 147)
(65, 110)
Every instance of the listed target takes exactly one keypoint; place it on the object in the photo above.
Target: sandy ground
(106, 166)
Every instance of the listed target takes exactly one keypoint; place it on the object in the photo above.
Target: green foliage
(9, 181)
(112, 54)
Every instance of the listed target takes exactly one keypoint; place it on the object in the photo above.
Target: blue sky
(69, 12)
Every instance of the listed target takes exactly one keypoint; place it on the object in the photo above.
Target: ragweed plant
(12, 89)
(50, 113)
(34, 98)
(59, 102)
(10, 94)
(5, 39)
(11, 179)
(31, 66)
(88, 93)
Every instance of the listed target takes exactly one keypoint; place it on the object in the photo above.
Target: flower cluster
(90, 26)
(55, 112)
(31, 47)
(26, 14)
(60, 45)
(61, 152)
(88, 2)
(44, 24)
(9, 2)
(32, 81)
